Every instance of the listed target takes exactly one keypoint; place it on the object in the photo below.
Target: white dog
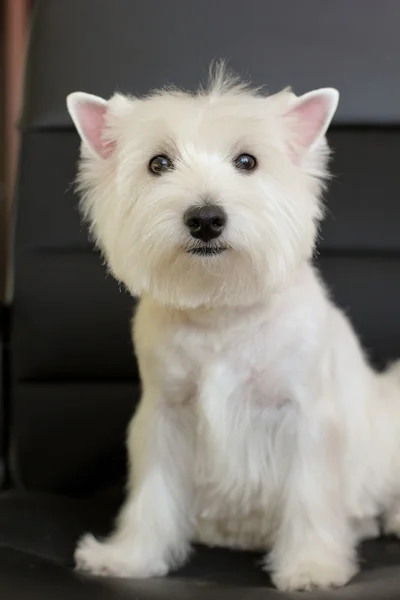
(261, 424)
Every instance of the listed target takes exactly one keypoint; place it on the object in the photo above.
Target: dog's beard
(208, 274)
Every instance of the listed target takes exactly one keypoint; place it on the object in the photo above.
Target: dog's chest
(241, 383)
(242, 460)
(254, 366)
(244, 428)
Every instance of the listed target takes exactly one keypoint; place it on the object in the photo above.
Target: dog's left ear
(88, 113)
(309, 118)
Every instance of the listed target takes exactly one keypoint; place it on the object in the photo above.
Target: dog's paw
(314, 575)
(115, 560)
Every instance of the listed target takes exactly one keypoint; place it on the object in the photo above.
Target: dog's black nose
(205, 222)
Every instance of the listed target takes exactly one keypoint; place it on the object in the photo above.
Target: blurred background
(14, 26)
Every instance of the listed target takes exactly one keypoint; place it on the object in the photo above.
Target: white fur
(261, 424)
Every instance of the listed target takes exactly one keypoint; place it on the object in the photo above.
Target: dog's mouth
(207, 250)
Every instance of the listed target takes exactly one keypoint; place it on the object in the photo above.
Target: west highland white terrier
(261, 424)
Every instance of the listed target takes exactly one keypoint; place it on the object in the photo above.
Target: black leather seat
(71, 381)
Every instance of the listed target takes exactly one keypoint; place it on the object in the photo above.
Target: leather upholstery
(74, 379)
(136, 46)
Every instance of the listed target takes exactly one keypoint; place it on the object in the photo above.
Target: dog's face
(207, 199)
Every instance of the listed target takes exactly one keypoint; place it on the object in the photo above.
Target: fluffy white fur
(261, 424)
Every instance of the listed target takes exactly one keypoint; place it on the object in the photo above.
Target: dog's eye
(160, 164)
(245, 162)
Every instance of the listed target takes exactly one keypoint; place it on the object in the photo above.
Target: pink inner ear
(92, 119)
(310, 120)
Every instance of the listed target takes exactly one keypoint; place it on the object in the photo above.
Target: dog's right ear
(309, 117)
(88, 113)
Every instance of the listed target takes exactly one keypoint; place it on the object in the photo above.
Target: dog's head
(205, 199)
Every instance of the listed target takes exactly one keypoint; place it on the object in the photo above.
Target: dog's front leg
(154, 526)
(315, 543)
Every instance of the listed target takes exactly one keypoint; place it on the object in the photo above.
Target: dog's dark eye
(160, 164)
(245, 162)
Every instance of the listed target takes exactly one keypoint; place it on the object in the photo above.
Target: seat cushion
(38, 533)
